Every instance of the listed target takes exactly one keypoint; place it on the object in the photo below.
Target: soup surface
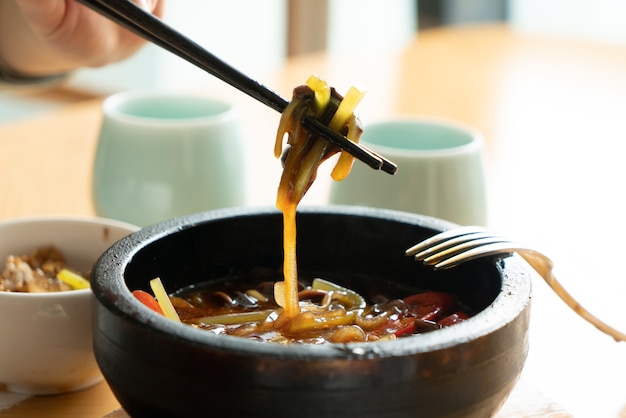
(328, 313)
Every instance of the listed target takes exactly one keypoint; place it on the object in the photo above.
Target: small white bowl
(46, 338)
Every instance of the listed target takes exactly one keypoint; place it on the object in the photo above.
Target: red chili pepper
(148, 300)
(429, 305)
(407, 327)
(453, 319)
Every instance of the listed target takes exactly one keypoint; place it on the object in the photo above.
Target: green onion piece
(234, 318)
(321, 284)
(75, 281)
(163, 299)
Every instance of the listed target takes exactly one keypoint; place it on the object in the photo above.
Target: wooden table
(552, 114)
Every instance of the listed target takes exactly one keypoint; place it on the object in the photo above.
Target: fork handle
(545, 271)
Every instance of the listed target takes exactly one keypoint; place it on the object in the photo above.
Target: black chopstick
(359, 151)
(148, 26)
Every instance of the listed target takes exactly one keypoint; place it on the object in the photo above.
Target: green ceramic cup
(441, 171)
(161, 155)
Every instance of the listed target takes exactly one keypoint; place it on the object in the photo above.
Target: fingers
(51, 36)
(153, 6)
(42, 15)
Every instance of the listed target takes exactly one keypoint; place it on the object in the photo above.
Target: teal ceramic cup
(161, 155)
(441, 171)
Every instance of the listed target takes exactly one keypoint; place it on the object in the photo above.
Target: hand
(43, 37)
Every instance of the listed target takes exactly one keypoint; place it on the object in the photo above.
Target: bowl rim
(115, 296)
(475, 137)
(79, 219)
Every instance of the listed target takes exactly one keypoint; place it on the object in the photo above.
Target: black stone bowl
(157, 367)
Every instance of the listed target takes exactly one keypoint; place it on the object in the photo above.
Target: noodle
(306, 152)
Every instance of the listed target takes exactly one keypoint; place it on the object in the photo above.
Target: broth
(328, 312)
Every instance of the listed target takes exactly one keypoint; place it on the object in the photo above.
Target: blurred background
(257, 36)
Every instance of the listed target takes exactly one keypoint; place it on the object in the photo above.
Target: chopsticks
(151, 28)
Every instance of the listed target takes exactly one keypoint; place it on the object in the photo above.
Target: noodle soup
(330, 313)
(157, 367)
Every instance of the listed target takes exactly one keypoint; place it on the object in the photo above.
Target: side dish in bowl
(157, 366)
(45, 321)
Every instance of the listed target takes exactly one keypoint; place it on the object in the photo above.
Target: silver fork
(453, 247)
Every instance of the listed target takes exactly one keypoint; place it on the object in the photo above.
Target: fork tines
(441, 240)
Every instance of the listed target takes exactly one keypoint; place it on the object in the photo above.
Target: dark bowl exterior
(156, 367)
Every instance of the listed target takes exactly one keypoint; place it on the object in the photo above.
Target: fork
(459, 245)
